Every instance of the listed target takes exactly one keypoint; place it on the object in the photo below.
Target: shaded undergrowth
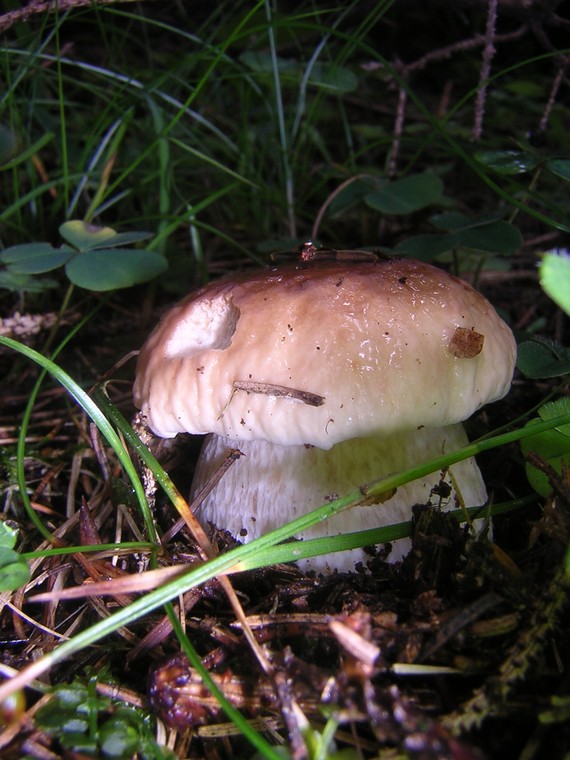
(231, 132)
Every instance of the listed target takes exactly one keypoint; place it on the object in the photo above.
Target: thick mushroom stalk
(374, 360)
(273, 484)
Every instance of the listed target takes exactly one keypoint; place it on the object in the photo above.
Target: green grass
(249, 115)
(231, 131)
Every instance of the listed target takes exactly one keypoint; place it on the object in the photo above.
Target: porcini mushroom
(325, 374)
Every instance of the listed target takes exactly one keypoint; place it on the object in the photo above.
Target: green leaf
(508, 162)
(560, 167)
(553, 446)
(406, 195)
(453, 221)
(16, 253)
(263, 62)
(491, 237)
(555, 278)
(24, 283)
(56, 716)
(496, 237)
(123, 238)
(8, 536)
(353, 193)
(74, 713)
(81, 743)
(328, 76)
(450, 221)
(541, 358)
(526, 88)
(559, 711)
(118, 740)
(72, 696)
(424, 247)
(14, 571)
(35, 258)
(553, 409)
(110, 269)
(549, 444)
(84, 236)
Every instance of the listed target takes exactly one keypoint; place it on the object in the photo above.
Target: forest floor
(459, 651)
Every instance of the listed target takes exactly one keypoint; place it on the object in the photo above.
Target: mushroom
(326, 374)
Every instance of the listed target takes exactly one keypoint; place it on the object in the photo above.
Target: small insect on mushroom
(406, 353)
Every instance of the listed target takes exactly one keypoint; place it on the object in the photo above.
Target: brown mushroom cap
(324, 351)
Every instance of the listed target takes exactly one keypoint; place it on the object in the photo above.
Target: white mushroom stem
(273, 484)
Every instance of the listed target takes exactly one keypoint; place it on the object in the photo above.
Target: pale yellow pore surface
(322, 352)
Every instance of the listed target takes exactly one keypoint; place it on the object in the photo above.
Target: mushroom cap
(324, 351)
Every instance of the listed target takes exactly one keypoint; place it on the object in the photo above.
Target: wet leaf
(123, 238)
(540, 358)
(25, 283)
(525, 88)
(560, 167)
(423, 247)
(118, 740)
(555, 278)
(490, 237)
(263, 62)
(8, 536)
(334, 78)
(111, 269)
(84, 236)
(35, 258)
(14, 571)
(496, 237)
(89, 237)
(353, 193)
(450, 221)
(406, 195)
(87, 722)
(553, 446)
(453, 221)
(508, 162)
